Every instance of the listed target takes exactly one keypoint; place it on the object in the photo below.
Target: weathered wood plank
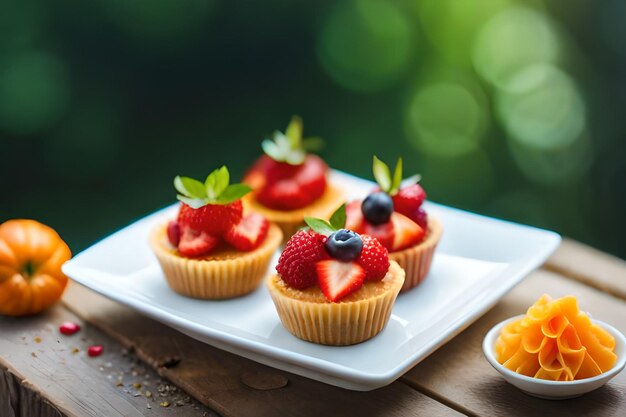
(223, 381)
(19, 400)
(590, 266)
(43, 373)
(460, 375)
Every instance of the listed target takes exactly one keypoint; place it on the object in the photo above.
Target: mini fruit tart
(214, 250)
(289, 184)
(334, 286)
(394, 215)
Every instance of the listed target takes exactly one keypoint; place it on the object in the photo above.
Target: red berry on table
(194, 243)
(213, 219)
(339, 279)
(68, 328)
(374, 259)
(296, 265)
(249, 233)
(409, 199)
(407, 232)
(94, 351)
(173, 233)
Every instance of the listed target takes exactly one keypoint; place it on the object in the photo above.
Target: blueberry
(344, 245)
(377, 208)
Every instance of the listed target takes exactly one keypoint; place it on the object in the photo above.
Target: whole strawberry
(286, 177)
(374, 259)
(296, 264)
(214, 219)
(409, 199)
(212, 207)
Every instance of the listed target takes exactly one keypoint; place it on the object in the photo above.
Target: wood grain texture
(214, 377)
(43, 373)
(459, 374)
(17, 399)
(590, 266)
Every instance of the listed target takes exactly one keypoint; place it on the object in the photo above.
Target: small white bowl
(555, 390)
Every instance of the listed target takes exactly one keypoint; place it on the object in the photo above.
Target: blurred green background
(509, 108)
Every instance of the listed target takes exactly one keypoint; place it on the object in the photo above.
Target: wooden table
(44, 373)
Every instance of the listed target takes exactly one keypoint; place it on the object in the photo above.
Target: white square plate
(478, 260)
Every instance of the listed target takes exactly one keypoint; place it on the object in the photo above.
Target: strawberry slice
(284, 195)
(339, 279)
(385, 233)
(193, 243)
(354, 216)
(249, 233)
(407, 232)
(312, 177)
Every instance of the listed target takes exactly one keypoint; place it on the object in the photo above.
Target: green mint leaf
(313, 144)
(338, 219)
(216, 182)
(397, 178)
(222, 180)
(190, 187)
(192, 202)
(382, 174)
(232, 193)
(271, 149)
(320, 226)
(294, 132)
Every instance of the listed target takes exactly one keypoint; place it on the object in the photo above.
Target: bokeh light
(511, 40)
(451, 25)
(365, 45)
(552, 167)
(467, 178)
(544, 110)
(34, 91)
(445, 120)
(519, 204)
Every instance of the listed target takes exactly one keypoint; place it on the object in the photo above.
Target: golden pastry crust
(360, 316)
(291, 220)
(224, 273)
(417, 259)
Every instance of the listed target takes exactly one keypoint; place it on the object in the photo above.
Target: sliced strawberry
(354, 216)
(249, 233)
(312, 177)
(193, 243)
(290, 187)
(407, 232)
(173, 232)
(420, 217)
(409, 199)
(284, 195)
(339, 279)
(385, 233)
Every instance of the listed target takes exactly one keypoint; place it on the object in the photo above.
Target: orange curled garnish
(556, 341)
